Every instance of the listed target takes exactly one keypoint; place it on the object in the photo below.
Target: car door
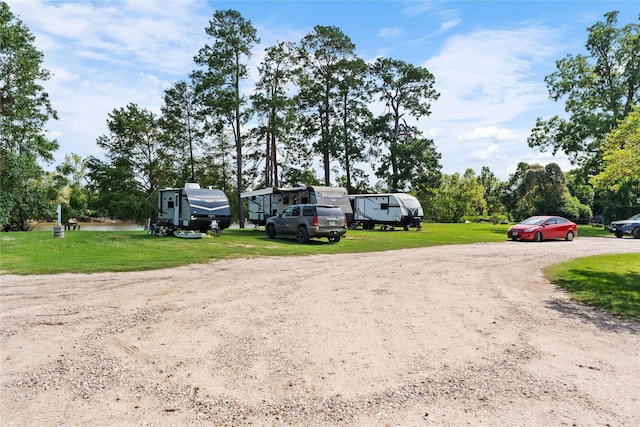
(562, 227)
(550, 231)
(293, 220)
(283, 220)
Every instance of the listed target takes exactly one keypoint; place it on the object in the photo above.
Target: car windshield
(635, 217)
(534, 220)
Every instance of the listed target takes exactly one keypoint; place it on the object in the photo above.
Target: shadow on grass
(286, 240)
(587, 314)
(500, 232)
(609, 300)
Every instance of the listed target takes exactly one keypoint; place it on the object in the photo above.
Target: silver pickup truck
(308, 221)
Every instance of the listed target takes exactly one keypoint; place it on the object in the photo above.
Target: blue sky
(489, 59)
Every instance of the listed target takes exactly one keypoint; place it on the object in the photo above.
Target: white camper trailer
(193, 208)
(388, 210)
(268, 202)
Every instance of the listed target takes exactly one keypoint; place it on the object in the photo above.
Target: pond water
(95, 226)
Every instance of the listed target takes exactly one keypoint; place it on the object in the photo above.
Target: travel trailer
(268, 202)
(388, 210)
(193, 208)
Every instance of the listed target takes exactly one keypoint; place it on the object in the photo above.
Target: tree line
(314, 104)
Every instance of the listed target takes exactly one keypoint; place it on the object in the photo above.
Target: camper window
(170, 204)
(285, 200)
(384, 206)
(305, 200)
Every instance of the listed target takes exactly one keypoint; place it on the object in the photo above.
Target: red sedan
(539, 228)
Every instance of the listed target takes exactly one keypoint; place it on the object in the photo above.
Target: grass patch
(611, 282)
(37, 252)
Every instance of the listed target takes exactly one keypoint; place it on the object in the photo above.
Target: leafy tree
(354, 115)
(24, 110)
(493, 189)
(406, 91)
(599, 89)
(619, 180)
(128, 179)
(418, 164)
(580, 187)
(73, 197)
(323, 53)
(273, 104)
(218, 82)
(305, 174)
(541, 190)
(183, 131)
(456, 198)
(621, 155)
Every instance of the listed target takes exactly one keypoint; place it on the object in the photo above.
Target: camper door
(171, 206)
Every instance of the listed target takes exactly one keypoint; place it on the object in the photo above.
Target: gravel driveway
(449, 335)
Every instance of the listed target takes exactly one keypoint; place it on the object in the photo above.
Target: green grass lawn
(611, 282)
(37, 252)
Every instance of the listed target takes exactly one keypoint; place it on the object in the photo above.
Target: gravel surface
(448, 335)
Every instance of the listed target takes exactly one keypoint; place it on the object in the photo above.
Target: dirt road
(446, 335)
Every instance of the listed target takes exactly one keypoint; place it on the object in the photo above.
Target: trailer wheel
(271, 231)
(302, 236)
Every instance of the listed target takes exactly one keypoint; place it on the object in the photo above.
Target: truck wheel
(636, 233)
(302, 236)
(334, 239)
(619, 236)
(271, 231)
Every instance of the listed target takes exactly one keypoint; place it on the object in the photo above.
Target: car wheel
(334, 239)
(537, 237)
(636, 233)
(271, 231)
(619, 236)
(569, 236)
(302, 236)
(514, 239)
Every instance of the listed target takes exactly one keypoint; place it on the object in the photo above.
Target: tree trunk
(239, 147)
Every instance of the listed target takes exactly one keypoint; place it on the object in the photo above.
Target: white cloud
(488, 74)
(488, 132)
(391, 33)
(489, 152)
(162, 36)
(450, 23)
(414, 8)
(491, 93)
